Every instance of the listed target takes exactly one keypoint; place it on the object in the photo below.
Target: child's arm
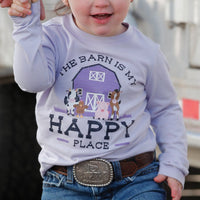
(167, 121)
(34, 61)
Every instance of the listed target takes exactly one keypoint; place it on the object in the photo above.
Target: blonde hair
(61, 8)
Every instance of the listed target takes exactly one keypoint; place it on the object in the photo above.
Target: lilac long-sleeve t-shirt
(107, 97)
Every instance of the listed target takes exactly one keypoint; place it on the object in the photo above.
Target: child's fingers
(20, 9)
(22, 3)
(13, 12)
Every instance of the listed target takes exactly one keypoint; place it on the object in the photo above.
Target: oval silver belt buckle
(95, 173)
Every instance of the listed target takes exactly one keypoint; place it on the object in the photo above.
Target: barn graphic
(96, 82)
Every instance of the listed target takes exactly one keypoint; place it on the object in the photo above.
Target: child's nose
(101, 3)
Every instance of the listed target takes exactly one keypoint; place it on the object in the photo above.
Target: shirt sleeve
(34, 61)
(167, 121)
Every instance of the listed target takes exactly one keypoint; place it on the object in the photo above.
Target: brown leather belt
(128, 166)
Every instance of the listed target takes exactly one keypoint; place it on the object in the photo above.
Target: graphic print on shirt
(90, 113)
(72, 99)
(114, 103)
(95, 93)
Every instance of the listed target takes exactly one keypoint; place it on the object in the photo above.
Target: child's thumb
(160, 178)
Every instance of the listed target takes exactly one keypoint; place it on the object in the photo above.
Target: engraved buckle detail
(95, 173)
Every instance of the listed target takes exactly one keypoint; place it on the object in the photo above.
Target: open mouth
(101, 16)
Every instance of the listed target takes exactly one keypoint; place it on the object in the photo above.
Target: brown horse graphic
(114, 103)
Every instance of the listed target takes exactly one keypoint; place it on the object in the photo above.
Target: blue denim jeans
(141, 186)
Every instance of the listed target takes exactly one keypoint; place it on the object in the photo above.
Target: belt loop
(69, 174)
(117, 170)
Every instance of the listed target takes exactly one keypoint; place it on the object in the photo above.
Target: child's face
(99, 17)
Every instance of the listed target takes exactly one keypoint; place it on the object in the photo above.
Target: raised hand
(22, 7)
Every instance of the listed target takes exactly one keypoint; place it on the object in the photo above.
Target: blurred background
(174, 24)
